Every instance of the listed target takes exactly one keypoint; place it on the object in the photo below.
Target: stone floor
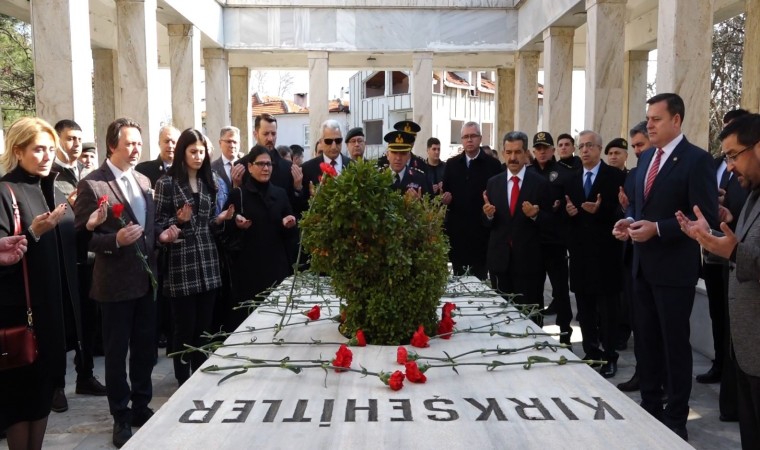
(87, 424)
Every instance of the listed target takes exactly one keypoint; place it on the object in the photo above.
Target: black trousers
(191, 316)
(748, 388)
(663, 349)
(597, 315)
(89, 312)
(129, 326)
(555, 266)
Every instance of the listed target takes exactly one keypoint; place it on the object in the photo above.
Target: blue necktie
(587, 184)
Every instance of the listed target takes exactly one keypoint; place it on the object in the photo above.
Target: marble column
(217, 91)
(241, 105)
(635, 67)
(422, 99)
(107, 101)
(558, 79)
(319, 104)
(750, 68)
(185, 61)
(137, 56)
(526, 92)
(684, 53)
(604, 67)
(505, 103)
(62, 61)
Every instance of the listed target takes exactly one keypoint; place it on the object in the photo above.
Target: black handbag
(18, 345)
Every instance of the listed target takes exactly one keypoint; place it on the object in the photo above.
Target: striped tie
(653, 170)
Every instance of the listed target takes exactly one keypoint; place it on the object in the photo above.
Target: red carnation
(448, 308)
(313, 313)
(420, 339)
(396, 381)
(361, 341)
(117, 210)
(328, 169)
(402, 356)
(414, 374)
(445, 327)
(343, 358)
(101, 200)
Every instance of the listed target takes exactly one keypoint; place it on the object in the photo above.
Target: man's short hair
(566, 136)
(674, 103)
(433, 141)
(283, 150)
(114, 132)
(597, 137)
(331, 124)
(66, 124)
(227, 129)
(164, 128)
(297, 150)
(472, 124)
(746, 128)
(265, 117)
(734, 114)
(514, 136)
(640, 127)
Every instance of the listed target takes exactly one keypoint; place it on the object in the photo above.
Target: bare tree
(259, 81)
(285, 84)
(726, 76)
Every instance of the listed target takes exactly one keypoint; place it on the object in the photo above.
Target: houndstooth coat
(193, 262)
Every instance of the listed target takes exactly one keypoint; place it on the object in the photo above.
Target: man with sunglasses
(330, 144)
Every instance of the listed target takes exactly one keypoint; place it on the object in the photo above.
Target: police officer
(406, 177)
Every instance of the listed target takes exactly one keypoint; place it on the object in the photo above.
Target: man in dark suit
(330, 144)
(229, 142)
(155, 169)
(66, 162)
(121, 282)
(665, 261)
(464, 180)
(595, 255)
(405, 177)
(517, 204)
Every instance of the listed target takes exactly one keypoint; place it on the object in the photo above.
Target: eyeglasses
(230, 141)
(329, 141)
(586, 145)
(732, 158)
(262, 164)
(356, 141)
(467, 137)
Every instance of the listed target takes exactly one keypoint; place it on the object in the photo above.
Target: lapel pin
(675, 159)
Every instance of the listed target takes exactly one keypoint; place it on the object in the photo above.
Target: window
(437, 82)
(400, 83)
(306, 136)
(375, 85)
(373, 130)
(486, 129)
(456, 132)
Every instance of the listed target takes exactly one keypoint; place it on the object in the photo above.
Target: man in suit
(665, 261)
(740, 143)
(356, 143)
(596, 261)
(121, 282)
(517, 204)
(330, 144)
(464, 180)
(405, 177)
(155, 169)
(66, 162)
(229, 141)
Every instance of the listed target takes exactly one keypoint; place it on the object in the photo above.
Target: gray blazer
(118, 273)
(744, 292)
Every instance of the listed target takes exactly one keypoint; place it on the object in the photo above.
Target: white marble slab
(548, 406)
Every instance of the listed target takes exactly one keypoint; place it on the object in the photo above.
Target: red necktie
(515, 194)
(653, 170)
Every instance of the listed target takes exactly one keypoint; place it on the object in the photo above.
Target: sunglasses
(329, 141)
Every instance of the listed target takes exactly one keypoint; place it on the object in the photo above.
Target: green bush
(386, 253)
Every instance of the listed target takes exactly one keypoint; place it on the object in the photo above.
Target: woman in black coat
(186, 201)
(27, 392)
(265, 221)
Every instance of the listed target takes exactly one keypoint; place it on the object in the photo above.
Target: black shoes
(90, 386)
(140, 416)
(60, 404)
(565, 338)
(121, 433)
(709, 377)
(631, 385)
(609, 370)
(550, 310)
(681, 432)
(728, 418)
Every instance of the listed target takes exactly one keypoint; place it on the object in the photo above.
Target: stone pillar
(422, 99)
(241, 105)
(558, 79)
(185, 48)
(750, 68)
(319, 104)
(62, 61)
(526, 92)
(137, 57)
(635, 67)
(604, 66)
(217, 91)
(107, 102)
(684, 53)
(505, 103)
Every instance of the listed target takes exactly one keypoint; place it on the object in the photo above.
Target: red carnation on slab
(413, 373)
(396, 381)
(402, 356)
(343, 358)
(361, 341)
(420, 339)
(314, 313)
(445, 327)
